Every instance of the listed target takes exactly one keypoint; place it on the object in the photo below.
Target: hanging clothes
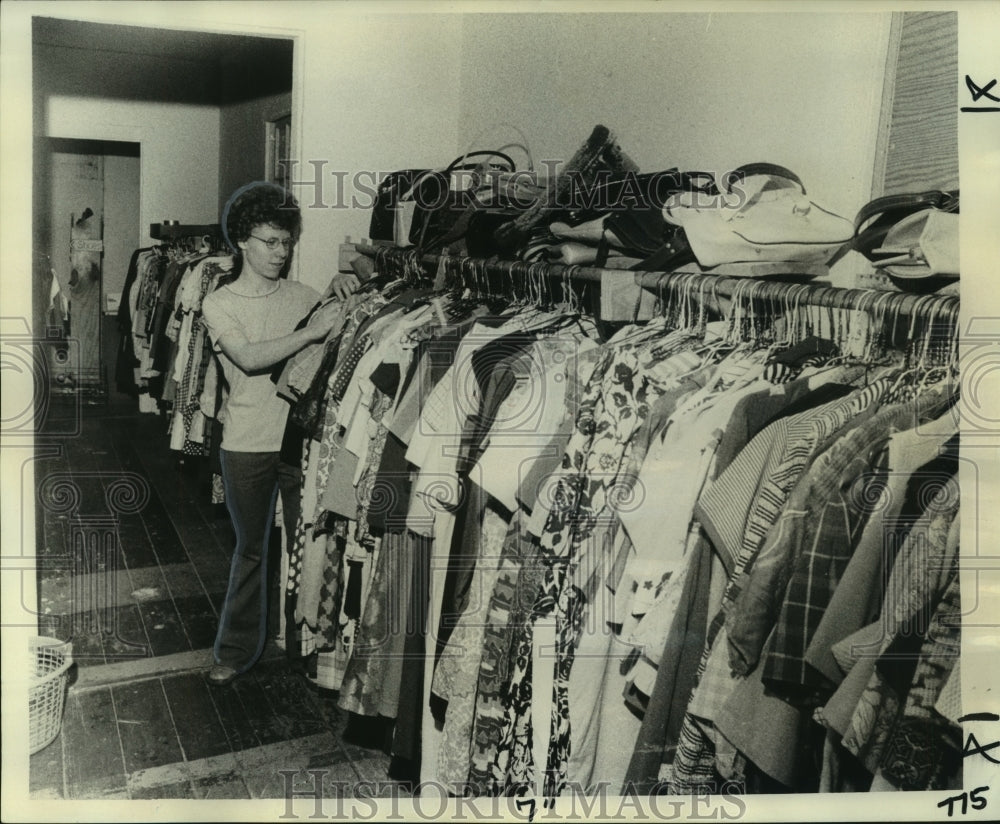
(560, 561)
(163, 356)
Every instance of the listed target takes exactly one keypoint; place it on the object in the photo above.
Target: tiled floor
(141, 608)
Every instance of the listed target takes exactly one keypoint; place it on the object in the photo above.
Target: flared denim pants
(251, 480)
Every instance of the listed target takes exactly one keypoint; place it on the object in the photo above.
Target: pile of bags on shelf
(599, 210)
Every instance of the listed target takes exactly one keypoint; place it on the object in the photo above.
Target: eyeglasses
(273, 242)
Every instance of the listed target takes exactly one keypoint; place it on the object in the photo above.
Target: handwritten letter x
(978, 92)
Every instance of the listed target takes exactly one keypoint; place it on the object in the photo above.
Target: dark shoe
(219, 675)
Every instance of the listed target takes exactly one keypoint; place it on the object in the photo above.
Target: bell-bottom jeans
(251, 480)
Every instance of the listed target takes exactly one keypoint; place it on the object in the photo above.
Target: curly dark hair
(260, 204)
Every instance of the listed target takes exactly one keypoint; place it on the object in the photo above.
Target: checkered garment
(788, 457)
(821, 565)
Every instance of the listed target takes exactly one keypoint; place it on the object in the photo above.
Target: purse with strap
(419, 206)
(427, 213)
(912, 238)
(766, 218)
(600, 154)
(387, 196)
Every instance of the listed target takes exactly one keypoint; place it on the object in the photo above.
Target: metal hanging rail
(172, 231)
(939, 309)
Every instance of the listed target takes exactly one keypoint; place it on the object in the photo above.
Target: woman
(252, 324)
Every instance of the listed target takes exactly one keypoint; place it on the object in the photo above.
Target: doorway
(133, 126)
(197, 104)
(86, 218)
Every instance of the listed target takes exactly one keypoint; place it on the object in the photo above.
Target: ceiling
(140, 63)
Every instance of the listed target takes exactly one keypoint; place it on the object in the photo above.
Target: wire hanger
(915, 355)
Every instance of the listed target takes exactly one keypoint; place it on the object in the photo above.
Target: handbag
(598, 156)
(913, 238)
(382, 225)
(628, 191)
(495, 198)
(622, 214)
(418, 206)
(427, 213)
(766, 218)
(641, 230)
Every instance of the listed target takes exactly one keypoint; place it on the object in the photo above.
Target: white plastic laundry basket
(51, 659)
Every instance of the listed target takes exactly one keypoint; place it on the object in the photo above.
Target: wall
(242, 135)
(250, 78)
(697, 91)
(122, 201)
(373, 93)
(376, 93)
(370, 92)
(179, 151)
(380, 93)
(93, 94)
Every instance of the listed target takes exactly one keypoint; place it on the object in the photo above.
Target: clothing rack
(576, 537)
(940, 310)
(155, 311)
(173, 231)
(191, 237)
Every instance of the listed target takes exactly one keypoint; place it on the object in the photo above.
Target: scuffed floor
(140, 722)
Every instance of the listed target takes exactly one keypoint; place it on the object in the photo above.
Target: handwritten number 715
(975, 799)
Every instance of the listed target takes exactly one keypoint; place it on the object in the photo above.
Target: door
(86, 217)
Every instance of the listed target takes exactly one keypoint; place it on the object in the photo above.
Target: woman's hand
(327, 318)
(344, 284)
